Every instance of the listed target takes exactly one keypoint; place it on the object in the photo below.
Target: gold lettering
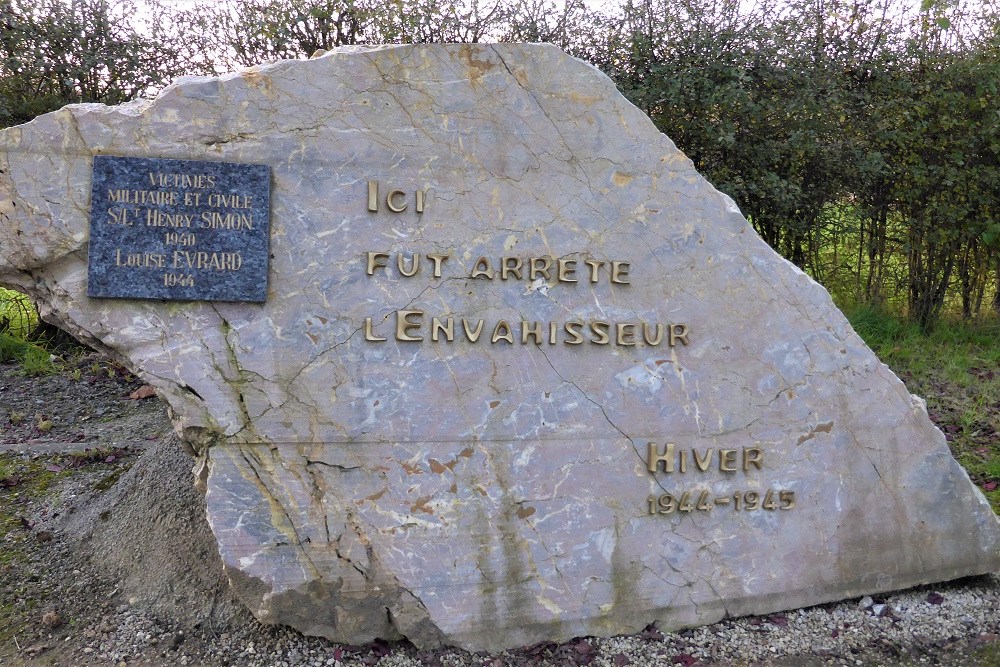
(594, 266)
(403, 324)
(140, 259)
(667, 458)
(216, 220)
(373, 196)
(420, 201)
(510, 265)
(389, 201)
(619, 273)
(567, 269)
(659, 334)
(703, 463)
(448, 329)
(218, 261)
(531, 329)
(369, 334)
(573, 329)
(438, 260)
(506, 335)
(155, 218)
(727, 460)
(158, 197)
(483, 268)
(625, 333)
(221, 200)
(473, 334)
(119, 216)
(414, 266)
(600, 329)
(683, 461)
(232, 261)
(678, 332)
(752, 456)
(180, 180)
(410, 325)
(373, 261)
(539, 265)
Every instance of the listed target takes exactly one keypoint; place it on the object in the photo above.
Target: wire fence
(18, 317)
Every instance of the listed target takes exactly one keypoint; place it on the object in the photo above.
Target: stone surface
(497, 494)
(178, 229)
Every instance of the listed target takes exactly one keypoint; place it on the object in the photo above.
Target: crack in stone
(274, 503)
(605, 414)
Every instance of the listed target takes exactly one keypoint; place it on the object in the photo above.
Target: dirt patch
(84, 405)
(148, 538)
(100, 521)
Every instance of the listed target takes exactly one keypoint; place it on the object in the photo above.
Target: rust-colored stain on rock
(475, 68)
(525, 512)
(421, 505)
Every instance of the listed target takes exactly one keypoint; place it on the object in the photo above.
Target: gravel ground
(113, 563)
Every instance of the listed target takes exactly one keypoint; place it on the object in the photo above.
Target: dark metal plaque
(179, 229)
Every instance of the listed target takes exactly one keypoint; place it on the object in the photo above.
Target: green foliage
(19, 338)
(18, 320)
(34, 360)
(12, 349)
(53, 53)
(247, 32)
(880, 330)
(986, 656)
(17, 314)
(837, 126)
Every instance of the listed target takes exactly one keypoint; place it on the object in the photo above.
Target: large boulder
(600, 401)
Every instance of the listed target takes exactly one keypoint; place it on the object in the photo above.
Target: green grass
(17, 320)
(987, 656)
(17, 315)
(12, 349)
(38, 361)
(956, 368)
(33, 358)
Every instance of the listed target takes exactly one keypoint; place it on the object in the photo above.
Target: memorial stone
(519, 374)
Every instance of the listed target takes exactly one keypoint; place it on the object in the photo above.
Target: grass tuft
(12, 349)
(19, 331)
(37, 361)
